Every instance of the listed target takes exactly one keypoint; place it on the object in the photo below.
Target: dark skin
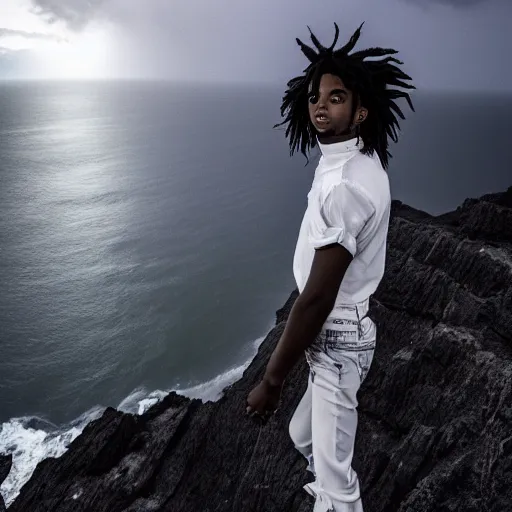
(331, 115)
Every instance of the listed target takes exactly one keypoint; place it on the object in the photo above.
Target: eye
(313, 98)
(336, 99)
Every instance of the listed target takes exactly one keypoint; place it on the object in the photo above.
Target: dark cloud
(7, 32)
(76, 14)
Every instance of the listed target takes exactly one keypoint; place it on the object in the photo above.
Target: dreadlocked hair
(369, 81)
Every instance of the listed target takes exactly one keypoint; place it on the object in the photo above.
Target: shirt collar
(336, 155)
(341, 148)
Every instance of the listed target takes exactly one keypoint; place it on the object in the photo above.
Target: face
(331, 111)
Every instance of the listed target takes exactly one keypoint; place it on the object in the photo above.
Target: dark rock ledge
(435, 431)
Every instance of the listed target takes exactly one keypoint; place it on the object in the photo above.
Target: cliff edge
(435, 412)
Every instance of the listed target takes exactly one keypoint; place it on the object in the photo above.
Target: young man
(343, 103)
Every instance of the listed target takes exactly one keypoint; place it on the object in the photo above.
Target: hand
(263, 399)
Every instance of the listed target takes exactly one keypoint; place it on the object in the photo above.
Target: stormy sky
(445, 44)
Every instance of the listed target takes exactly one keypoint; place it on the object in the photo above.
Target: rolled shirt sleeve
(340, 217)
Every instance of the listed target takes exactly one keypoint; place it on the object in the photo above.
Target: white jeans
(324, 425)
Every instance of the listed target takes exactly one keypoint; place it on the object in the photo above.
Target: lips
(321, 119)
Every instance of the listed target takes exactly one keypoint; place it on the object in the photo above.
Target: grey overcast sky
(445, 44)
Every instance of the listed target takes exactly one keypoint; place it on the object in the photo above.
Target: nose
(321, 106)
(321, 109)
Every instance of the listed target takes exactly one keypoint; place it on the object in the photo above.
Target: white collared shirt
(349, 203)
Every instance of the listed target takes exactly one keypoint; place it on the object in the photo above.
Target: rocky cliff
(435, 430)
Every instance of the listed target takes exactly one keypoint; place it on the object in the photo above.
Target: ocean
(147, 233)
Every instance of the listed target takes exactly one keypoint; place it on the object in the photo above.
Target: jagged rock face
(435, 429)
(5, 467)
(436, 411)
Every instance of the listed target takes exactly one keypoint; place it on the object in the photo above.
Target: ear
(360, 115)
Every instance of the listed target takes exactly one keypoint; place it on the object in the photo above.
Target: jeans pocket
(364, 362)
(368, 330)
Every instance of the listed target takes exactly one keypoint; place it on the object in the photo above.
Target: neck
(333, 138)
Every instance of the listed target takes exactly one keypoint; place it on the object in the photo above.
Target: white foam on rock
(140, 400)
(29, 445)
(30, 440)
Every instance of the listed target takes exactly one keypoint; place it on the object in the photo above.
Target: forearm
(304, 323)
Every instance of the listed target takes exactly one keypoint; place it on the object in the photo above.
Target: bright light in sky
(446, 44)
(82, 56)
(56, 51)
